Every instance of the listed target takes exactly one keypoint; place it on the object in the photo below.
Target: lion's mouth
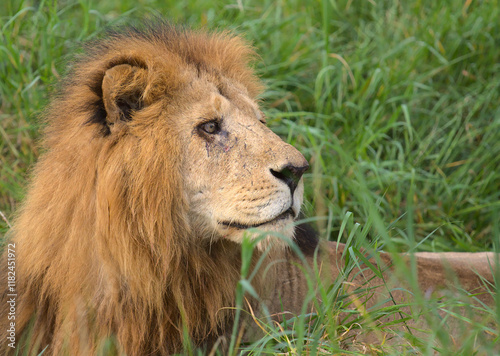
(284, 215)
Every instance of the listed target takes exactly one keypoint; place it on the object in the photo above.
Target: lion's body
(156, 160)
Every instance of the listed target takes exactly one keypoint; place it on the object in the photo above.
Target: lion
(157, 164)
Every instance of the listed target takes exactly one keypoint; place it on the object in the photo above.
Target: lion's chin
(275, 234)
(286, 215)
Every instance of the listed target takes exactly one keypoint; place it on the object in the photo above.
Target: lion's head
(157, 160)
(187, 107)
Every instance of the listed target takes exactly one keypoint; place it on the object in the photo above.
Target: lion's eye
(211, 127)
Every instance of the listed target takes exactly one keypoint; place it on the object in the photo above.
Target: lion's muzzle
(291, 175)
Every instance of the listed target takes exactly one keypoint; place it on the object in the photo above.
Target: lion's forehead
(220, 96)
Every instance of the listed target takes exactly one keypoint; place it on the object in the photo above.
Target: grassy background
(396, 104)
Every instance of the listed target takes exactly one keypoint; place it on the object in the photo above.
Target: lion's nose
(290, 174)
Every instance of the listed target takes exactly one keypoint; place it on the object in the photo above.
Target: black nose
(290, 174)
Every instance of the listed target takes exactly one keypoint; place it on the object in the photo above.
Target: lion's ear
(122, 92)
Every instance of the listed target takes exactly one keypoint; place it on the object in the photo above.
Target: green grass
(396, 104)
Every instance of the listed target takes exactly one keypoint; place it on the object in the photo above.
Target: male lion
(157, 160)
